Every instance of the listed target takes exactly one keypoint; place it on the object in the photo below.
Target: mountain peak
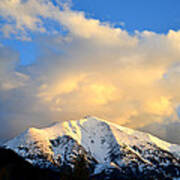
(90, 117)
(99, 140)
(92, 120)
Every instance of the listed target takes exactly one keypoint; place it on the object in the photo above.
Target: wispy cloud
(25, 16)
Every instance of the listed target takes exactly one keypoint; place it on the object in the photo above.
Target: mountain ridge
(101, 142)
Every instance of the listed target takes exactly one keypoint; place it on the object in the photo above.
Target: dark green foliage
(81, 170)
(14, 167)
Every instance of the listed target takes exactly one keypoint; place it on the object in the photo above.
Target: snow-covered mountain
(107, 148)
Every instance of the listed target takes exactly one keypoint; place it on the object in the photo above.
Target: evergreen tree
(81, 170)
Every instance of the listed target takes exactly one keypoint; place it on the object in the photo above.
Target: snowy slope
(100, 141)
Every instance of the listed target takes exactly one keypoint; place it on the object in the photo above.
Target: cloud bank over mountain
(87, 67)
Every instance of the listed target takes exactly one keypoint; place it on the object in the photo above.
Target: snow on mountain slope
(100, 141)
(133, 137)
(86, 130)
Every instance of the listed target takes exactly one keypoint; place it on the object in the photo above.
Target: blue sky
(157, 16)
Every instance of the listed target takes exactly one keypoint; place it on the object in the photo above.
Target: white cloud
(100, 70)
(23, 16)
